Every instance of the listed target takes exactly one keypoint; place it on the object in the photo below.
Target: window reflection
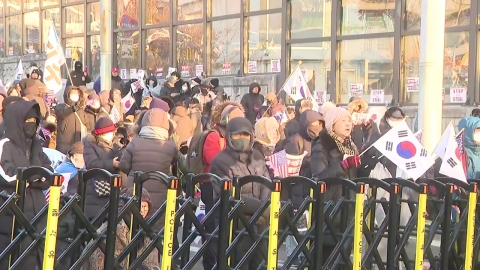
(189, 48)
(158, 51)
(14, 35)
(127, 13)
(158, 11)
(31, 32)
(457, 12)
(264, 40)
(50, 16)
(74, 51)
(256, 5)
(225, 46)
(47, 3)
(94, 58)
(74, 19)
(30, 4)
(93, 17)
(365, 64)
(2, 42)
(310, 18)
(224, 7)
(14, 6)
(366, 17)
(128, 55)
(189, 9)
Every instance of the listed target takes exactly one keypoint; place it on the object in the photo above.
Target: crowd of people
(183, 126)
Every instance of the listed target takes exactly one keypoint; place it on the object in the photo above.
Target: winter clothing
(185, 125)
(97, 85)
(149, 153)
(104, 125)
(326, 107)
(218, 90)
(357, 104)
(6, 102)
(167, 90)
(68, 167)
(78, 76)
(159, 104)
(70, 116)
(334, 115)
(93, 114)
(252, 102)
(117, 83)
(19, 149)
(203, 98)
(470, 124)
(36, 90)
(196, 116)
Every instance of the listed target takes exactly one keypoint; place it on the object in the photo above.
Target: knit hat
(104, 125)
(333, 115)
(77, 148)
(267, 131)
(197, 80)
(159, 104)
(156, 118)
(326, 107)
(214, 82)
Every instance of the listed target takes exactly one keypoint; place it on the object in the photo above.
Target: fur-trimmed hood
(52, 127)
(358, 105)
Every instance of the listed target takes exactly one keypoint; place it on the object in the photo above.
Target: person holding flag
(471, 128)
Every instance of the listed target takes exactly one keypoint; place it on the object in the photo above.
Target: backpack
(195, 152)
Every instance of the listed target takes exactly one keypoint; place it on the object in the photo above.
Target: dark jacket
(220, 92)
(78, 77)
(185, 125)
(69, 125)
(117, 83)
(252, 103)
(327, 158)
(167, 90)
(17, 151)
(97, 154)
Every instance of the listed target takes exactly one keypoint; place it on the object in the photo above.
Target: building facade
(363, 46)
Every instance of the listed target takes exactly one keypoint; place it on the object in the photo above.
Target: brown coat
(185, 125)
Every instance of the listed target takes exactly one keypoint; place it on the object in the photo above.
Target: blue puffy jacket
(470, 124)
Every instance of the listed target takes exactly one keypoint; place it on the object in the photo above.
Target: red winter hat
(104, 125)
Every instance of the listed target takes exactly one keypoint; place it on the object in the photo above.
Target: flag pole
(63, 54)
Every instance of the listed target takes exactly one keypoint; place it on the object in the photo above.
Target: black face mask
(30, 129)
(241, 145)
(314, 131)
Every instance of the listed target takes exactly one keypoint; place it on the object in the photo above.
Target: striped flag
(279, 162)
(47, 194)
(115, 115)
(460, 139)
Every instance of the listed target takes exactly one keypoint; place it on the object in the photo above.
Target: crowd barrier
(356, 224)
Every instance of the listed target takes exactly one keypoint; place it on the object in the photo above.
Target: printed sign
(133, 73)
(252, 66)
(198, 70)
(185, 71)
(356, 89)
(275, 66)
(126, 48)
(458, 95)
(377, 96)
(413, 84)
(320, 96)
(226, 69)
(171, 70)
(123, 74)
(159, 72)
(141, 74)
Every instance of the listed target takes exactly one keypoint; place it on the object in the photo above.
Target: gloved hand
(350, 162)
(75, 107)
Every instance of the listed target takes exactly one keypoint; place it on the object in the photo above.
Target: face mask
(476, 137)
(184, 88)
(240, 145)
(30, 129)
(314, 131)
(108, 137)
(393, 123)
(74, 97)
(151, 85)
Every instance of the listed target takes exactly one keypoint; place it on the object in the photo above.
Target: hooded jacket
(117, 83)
(4, 95)
(69, 128)
(78, 78)
(148, 154)
(470, 124)
(36, 90)
(252, 102)
(92, 115)
(17, 151)
(185, 125)
(68, 167)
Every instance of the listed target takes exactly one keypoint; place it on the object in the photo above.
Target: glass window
(50, 16)
(128, 55)
(157, 12)
(225, 46)
(413, 14)
(256, 5)
(457, 12)
(31, 22)
(127, 13)
(264, 40)
(189, 48)
(47, 3)
(315, 59)
(455, 65)
(71, 1)
(93, 60)
(14, 6)
(189, 9)
(310, 18)
(74, 51)
(14, 35)
(365, 65)
(2, 35)
(31, 4)
(366, 17)
(158, 51)
(224, 7)
(74, 19)
(93, 17)
(2, 7)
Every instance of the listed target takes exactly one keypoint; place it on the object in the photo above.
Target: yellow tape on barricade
(169, 229)
(472, 204)
(231, 228)
(273, 232)
(422, 212)
(52, 224)
(358, 228)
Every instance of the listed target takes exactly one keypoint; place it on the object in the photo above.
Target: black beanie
(104, 125)
(197, 80)
(214, 82)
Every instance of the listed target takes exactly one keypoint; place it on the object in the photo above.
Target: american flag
(46, 192)
(279, 161)
(46, 132)
(460, 138)
(49, 98)
(115, 115)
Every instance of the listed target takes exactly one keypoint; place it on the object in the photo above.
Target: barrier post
(169, 226)
(471, 217)
(319, 218)
(81, 190)
(187, 221)
(358, 227)
(20, 189)
(137, 192)
(392, 224)
(446, 226)
(421, 218)
(115, 184)
(223, 226)
(52, 223)
(273, 231)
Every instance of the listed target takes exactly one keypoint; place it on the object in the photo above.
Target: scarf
(347, 147)
(156, 133)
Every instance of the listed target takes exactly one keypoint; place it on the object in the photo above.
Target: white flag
(19, 71)
(297, 88)
(401, 147)
(115, 115)
(128, 102)
(51, 74)
(442, 144)
(451, 159)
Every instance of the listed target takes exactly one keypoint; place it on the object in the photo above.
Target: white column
(106, 44)
(432, 41)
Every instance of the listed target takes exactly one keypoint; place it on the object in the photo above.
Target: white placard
(185, 71)
(275, 66)
(458, 95)
(377, 96)
(126, 48)
(226, 69)
(356, 89)
(133, 74)
(198, 70)
(320, 96)
(413, 84)
(123, 74)
(141, 74)
(252, 66)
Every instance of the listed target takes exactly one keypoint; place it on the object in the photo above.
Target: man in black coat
(78, 76)
(252, 102)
